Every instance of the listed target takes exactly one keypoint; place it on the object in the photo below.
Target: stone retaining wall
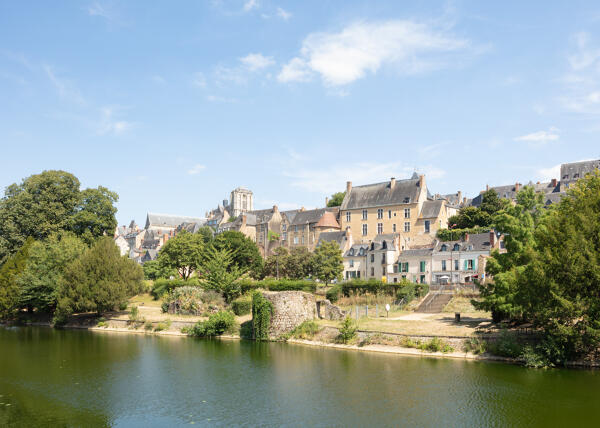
(290, 308)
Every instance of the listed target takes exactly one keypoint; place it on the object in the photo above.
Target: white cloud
(250, 4)
(333, 179)
(65, 88)
(158, 79)
(432, 150)
(361, 48)
(547, 174)
(257, 61)
(109, 125)
(199, 80)
(218, 99)
(196, 169)
(582, 81)
(283, 14)
(540, 138)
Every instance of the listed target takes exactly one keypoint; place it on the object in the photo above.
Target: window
(456, 265)
(443, 265)
(502, 244)
(389, 213)
(351, 263)
(348, 216)
(364, 214)
(422, 281)
(404, 267)
(407, 226)
(372, 258)
(285, 236)
(394, 227)
(296, 240)
(406, 212)
(379, 213)
(364, 229)
(379, 228)
(372, 271)
(395, 279)
(296, 229)
(302, 239)
(284, 227)
(383, 258)
(470, 264)
(456, 247)
(384, 245)
(444, 247)
(351, 252)
(422, 266)
(395, 268)
(427, 226)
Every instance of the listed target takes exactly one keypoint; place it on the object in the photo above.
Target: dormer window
(352, 251)
(372, 246)
(443, 248)
(384, 245)
(456, 247)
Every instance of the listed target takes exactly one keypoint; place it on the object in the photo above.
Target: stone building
(241, 201)
(571, 172)
(169, 222)
(303, 228)
(268, 229)
(414, 265)
(355, 262)
(382, 255)
(395, 206)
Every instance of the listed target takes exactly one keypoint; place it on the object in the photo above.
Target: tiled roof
(169, 220)
(328, 220)
(431, 209)
(339, 237)
(381, 194)
(476, 242)
(354, 250)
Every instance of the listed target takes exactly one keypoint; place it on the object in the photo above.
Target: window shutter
(466, 265)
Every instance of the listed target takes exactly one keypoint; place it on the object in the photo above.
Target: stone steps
(434, 303)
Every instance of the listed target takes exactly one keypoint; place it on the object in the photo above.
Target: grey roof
(576, 170)
(378, 241)
(309, 216)
(190, 227)
(553, 198)
(476, 242)
(170, 221)
(381, 194)
(290, 214)
(431, 209)
(150, 254)
(339, 237)
(354, 251)
(419, 252)
(261, 216)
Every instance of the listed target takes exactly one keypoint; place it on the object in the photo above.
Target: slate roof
(338, 236)
(354, 251)
(311, 216)
(381, 194)
(576, 170)
(476, 242)
(190, 227)
(261, 216)
(553, 198)
(431, 209)
(170, 221)
(388, 238)
(290, 214)
(420, 252)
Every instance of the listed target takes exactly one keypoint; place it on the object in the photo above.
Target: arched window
(456, 247)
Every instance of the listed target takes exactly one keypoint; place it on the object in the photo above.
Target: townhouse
(302, 228)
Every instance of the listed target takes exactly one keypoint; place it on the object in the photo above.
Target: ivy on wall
(262, 310)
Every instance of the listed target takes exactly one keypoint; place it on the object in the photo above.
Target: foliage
(221, 272)
(134, 314)
(160, 287)
(244, 252)
(455, 234)
(153, 270)
(402, 289)
(306, 330)
(294, 264)
(98, 280)
(506, 345)
(9, 274)
(272, 236)
(475, 345)
(182, 253)
(262, 310)
(347, 330)
(216, 325)
(95, 214)
(242, 305)
(534, 357)
(45, 270)
(163, 325)
(206, 233)
(333, 294)
(189, 300)
(336, 199)
(435, 345)
(328, 263)
(231, 219)
(277, 285)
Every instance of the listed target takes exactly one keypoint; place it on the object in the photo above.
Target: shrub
(148, 325)
(246, 330)
(347, 331)
(262, 310)
(161, 326)
(506, 345)
(475, 345)
(409, 342)
(436, 345)
(164, 286)
(189, 300)
(333, 294)
(216, 325)
(164, 307)
(535, 357)
(242, 305)
(134, 314)
(123, 306)
(102, 324)
(306, 330)
(247, 285)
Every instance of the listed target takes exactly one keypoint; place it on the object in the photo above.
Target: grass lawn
(464, 306)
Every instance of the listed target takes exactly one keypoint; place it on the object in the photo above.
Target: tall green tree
(40, 205)
(45, 270)
(221, 271)
(9, 275)
(98, 281)
(327, 262)
(95, 214)
(245, 253)
(300, 263)
(276, 264)
(153, 270)
(182, 253)
(336, 199)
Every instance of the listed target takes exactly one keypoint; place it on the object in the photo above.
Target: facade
(342, 238)
(268, 229)
(303, 228)
(241, 201)
(382, 256)
(571, 172)
(395, 206)
(414, 265)
(355, 262)
(122, 244)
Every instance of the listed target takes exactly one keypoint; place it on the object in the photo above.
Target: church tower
(242, 201)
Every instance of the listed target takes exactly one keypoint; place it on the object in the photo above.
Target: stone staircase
(434, 303)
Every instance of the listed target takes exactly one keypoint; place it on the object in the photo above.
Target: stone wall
(290, 308)
(325, 310)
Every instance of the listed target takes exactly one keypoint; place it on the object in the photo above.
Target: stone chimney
(466, 237)
(243, 220)
(464, 200)
(492, 239)
(275, 209)
(487, 187)
(459, 193)
(348, 186)
(302, 209)
(392, 183)
(517, 187)
(554, 182)
(421, 180)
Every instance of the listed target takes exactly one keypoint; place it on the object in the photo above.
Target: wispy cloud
(196, 169)
(547, 174)
(219, 99)
(109, 124)
(158, 79)
(283, 14)
(199, 80)
(65, 88)
(96, 9)
(540, 138)
(432, 150)
(250, 5)
(340, 58)
(582, 81)
(257, 61)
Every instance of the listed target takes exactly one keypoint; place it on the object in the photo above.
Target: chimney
(554, 183)
(421, 180)
(392, 182)
(466, 237)
(326, 201)
(302, 209)
(348, 186)
(243, 220)
(517, 187)
(275, 209)
(459, 194)
(465, 200)
(487, 187)
(492, 238)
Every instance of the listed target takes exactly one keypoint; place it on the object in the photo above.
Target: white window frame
(380, 228)
(379, 213)
(407, 226)
(348, 216)
(365, 230)
(364, 214)
(406, 212)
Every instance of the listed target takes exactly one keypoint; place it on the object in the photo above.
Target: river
(94, 379)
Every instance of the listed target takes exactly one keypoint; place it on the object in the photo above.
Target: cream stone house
(414, 265)
(303, 228)
(355, 262)
(382, 254)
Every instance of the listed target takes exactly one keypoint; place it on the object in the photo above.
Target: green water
(79, 378)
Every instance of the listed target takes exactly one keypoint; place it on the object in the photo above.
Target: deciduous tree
(328, 263)
(182, 253)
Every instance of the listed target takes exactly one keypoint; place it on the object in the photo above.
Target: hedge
(242, 305)
(403, 289)
(164, 286)
(333, 294)
(278, 285)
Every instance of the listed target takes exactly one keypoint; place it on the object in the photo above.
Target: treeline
(57, 255)
(550, 274)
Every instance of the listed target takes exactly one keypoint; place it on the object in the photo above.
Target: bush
(535, 357)
(148, 325)
(161, 326)
(436, 345)
(247, 285)
(372, 286)
(164, 307)
(347, 331)
(216, 325)
(333, 294)
(475, 345)
(506, 345)
(164, 286)
(306, 330)
(123, 306)
(101, 324)
(242, 305)
(134, 314)
(189, 300)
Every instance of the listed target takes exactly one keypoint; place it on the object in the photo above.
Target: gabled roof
(576, 170)
(328, 220)
(432, 209)
(261, 216)
(382, 194)
(170, 220)
(339, 237)
(312, 216)
(476, 242)
(354, 251)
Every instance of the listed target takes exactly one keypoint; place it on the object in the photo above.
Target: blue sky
(173, 105)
